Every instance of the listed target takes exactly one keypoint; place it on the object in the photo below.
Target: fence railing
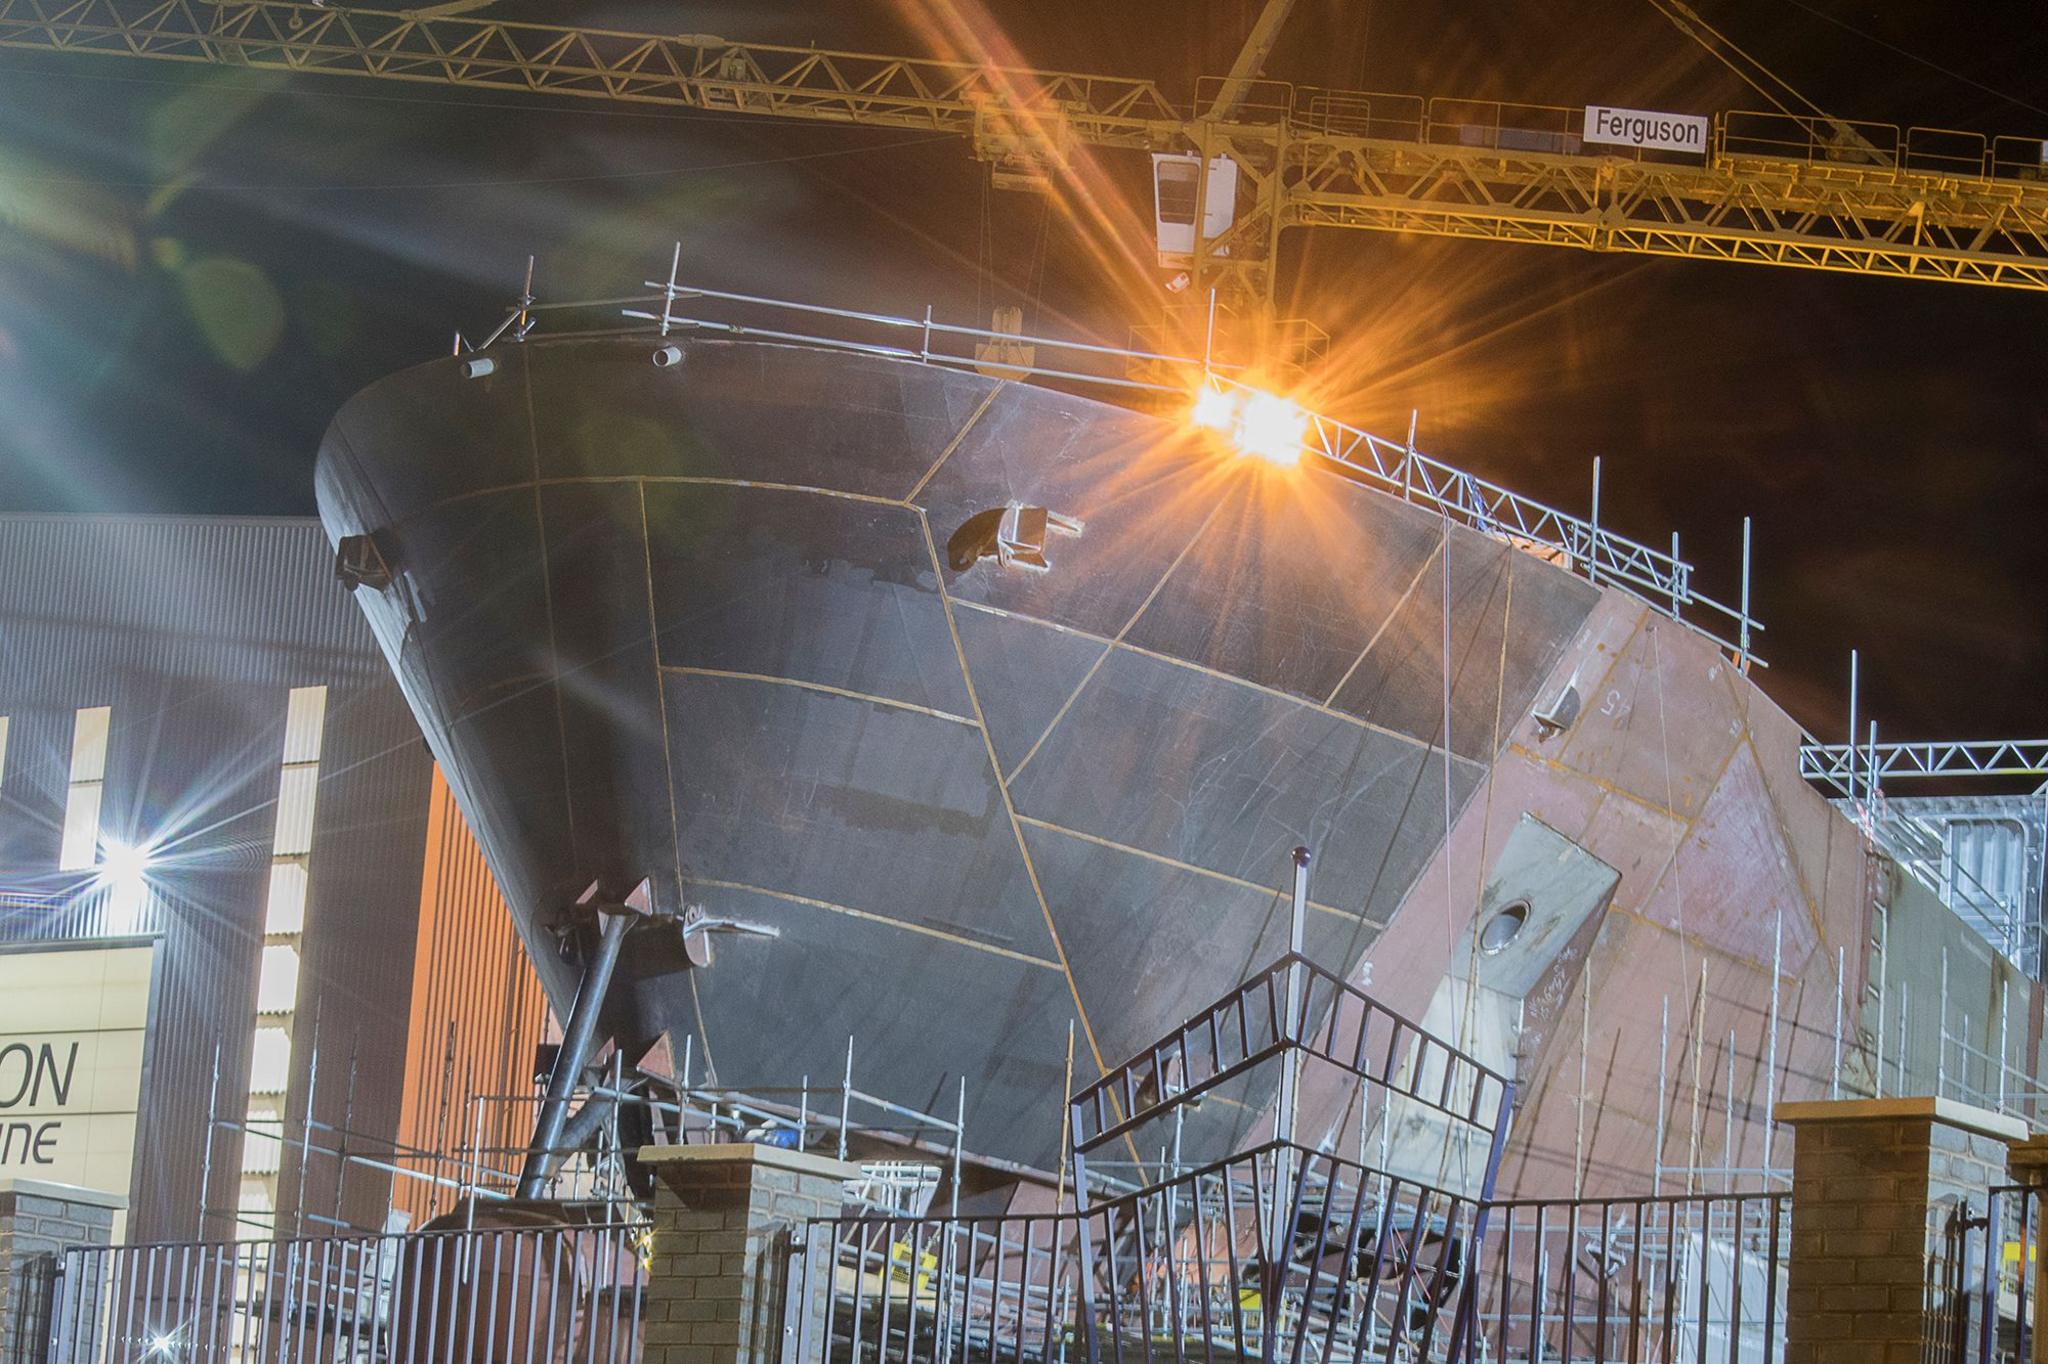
(938, 1288)
(1362, 1265)
(1688, 1277)
(1369, 1267)
(554, 1293)
(2005, 1310)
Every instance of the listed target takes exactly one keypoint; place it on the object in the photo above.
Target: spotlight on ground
(1263, 425)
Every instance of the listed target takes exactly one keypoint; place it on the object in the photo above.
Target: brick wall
(724, 1217)
(37, 1221)
(1878, 1185)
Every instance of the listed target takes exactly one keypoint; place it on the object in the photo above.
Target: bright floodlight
(1263, 425)
(124, 873)
(162, 1345)
(1271, 427)
(1215, 410)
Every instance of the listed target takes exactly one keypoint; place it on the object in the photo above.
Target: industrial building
(251, 965)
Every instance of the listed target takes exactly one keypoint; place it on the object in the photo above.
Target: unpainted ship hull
(700, 625)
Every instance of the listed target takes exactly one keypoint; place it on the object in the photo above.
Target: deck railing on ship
(674, 308)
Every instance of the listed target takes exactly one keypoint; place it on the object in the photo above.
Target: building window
(277, 985)
(3, 746)
(80, 847)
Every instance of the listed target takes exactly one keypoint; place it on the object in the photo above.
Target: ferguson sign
(73, 1022)
(1645, 128)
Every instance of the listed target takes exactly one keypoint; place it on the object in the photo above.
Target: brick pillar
(723, 1218)
(1876, 1184)
(37, 1220)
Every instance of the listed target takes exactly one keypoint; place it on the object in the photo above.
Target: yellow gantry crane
(1784, 187)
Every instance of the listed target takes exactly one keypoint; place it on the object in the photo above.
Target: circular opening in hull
(1503, 928)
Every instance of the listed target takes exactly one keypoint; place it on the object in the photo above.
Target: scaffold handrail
(1253, 1023)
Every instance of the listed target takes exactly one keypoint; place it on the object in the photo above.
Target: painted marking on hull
(825, 687)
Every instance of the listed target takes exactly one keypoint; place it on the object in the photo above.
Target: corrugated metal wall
(357, 969)
(477, 1011)
(193, 630)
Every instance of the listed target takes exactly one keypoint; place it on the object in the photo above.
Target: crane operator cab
(1177, 183)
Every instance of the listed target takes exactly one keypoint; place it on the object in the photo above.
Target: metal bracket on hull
(359, 562)
(1015, 536)
(580, 1035)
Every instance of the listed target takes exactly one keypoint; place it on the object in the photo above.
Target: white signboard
(73, 1023)
(1646, 128)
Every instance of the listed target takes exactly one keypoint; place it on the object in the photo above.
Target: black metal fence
(1294, 1256)
(2001, 1312)
(1358, 1265)
(1273, 1252)
(511, 1295)
(1674, 1278)
(1370, 1268)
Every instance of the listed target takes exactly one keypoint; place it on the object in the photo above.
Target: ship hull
(721, 626)
(703, 627)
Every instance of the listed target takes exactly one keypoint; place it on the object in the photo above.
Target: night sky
(198, 265)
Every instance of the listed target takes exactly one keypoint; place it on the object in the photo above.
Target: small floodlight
(477, 366)
(668, 356)
(162, 1346)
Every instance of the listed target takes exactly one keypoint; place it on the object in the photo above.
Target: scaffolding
(904, 1156)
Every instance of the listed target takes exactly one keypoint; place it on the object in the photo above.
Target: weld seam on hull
(1306, 703)
(958, 940)
(825, 687)
(995, 768)
(1406, 593)
(987, 401)
(1094, 667)
(1179, 865)
(607, 480)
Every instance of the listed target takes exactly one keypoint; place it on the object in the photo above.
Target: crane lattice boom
(1774, 188)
